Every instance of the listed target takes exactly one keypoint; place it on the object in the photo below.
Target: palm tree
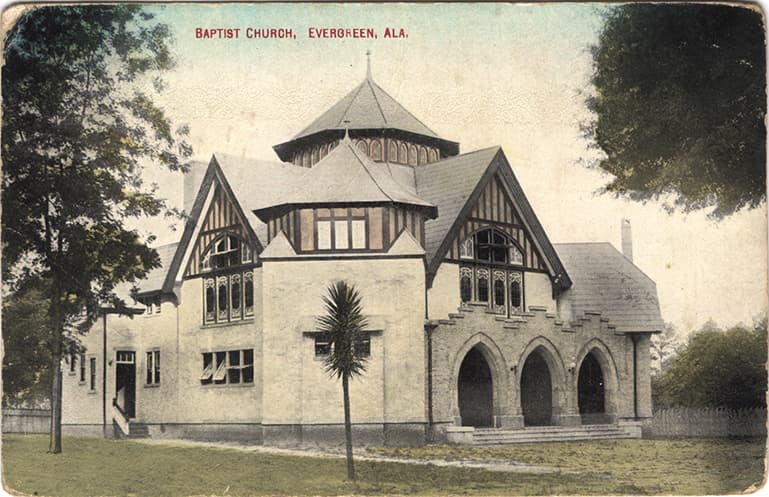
(343, 325)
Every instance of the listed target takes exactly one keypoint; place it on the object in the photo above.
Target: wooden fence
(26, 420)
(707, 422)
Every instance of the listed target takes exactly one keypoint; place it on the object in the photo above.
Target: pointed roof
(346, 175)
(606, 281)
(367, 106)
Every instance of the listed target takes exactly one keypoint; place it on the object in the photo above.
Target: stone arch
(605, 359)
(315, 155)
(541, 347)
(497, 367)
(362, 146)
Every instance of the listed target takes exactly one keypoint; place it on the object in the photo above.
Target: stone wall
(506, 343)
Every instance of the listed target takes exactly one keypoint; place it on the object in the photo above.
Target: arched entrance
(536, 391)
(475, 388)
(591, 391)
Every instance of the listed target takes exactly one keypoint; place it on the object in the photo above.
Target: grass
(92, 466)
(687, 466)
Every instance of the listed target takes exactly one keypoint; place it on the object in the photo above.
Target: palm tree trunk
(348, 427)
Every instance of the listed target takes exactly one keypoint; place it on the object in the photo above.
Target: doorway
(125, 382)
(536, 391)
(591, 392)
(476, 397)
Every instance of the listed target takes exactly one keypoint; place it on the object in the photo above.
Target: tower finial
(368, 64)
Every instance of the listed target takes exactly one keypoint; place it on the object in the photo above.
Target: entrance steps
(138, 430)
(536, 434)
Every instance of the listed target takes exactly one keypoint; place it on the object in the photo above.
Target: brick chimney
(627, 239)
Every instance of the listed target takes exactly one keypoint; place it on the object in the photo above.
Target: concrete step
(490, 436)
(137, 430)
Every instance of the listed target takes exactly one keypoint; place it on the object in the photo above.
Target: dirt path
(360, 455)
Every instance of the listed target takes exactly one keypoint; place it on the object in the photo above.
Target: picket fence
(26, 420)
(707, 422)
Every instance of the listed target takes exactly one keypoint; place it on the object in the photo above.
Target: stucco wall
(296, 389)
(443, 297)
(538, 291)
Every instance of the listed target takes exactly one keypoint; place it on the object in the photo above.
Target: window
(492, 246)
(341, 229)
(82, 368)
(225, 251)
(228, 297)
(153, 367)
(376, 150)
(403, 154)
(72, 357)
(93, 373)
(392, 155)
(323, 344)
(515, 295)
(151, 305)
(228, 367)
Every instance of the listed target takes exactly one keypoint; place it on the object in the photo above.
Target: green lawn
(91, 466)
(689, 466)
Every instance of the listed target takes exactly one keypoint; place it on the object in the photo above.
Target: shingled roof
(448, 184)
(346, 175)
(606, 281)
(368, 106)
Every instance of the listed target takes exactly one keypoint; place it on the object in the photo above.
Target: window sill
(152, 385)
(228, 385)
(81, 383)
(73, 373)
(92, 392)
(239, 322)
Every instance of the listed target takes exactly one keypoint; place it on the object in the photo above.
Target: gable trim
(500, 164)
(214, 176)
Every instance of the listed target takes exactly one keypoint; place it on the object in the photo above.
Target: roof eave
(284, 150)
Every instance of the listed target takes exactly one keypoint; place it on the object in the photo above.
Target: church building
(480, 330)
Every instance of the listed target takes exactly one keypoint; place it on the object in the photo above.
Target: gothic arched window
(376, 150)
(412, 155)
(433, 155)
(362, 146)
(392, 153)
(492, 246)
(422, 155)
(403, 154)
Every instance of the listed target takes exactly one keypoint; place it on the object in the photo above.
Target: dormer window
(226, 251)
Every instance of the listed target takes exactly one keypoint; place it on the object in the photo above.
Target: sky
(479, 74)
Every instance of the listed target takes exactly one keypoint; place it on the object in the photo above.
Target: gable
(476, 203)
(215, 211)
(493, 208)
(222, 217)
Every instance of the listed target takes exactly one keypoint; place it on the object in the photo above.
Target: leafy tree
(26, 358)
(664, 347)
(717, 369)
(79, 124)
(343, 325)
(680, 103)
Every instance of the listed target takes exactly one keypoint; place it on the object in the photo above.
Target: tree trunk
(56, 381)
(348, 427)
(55, 442)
